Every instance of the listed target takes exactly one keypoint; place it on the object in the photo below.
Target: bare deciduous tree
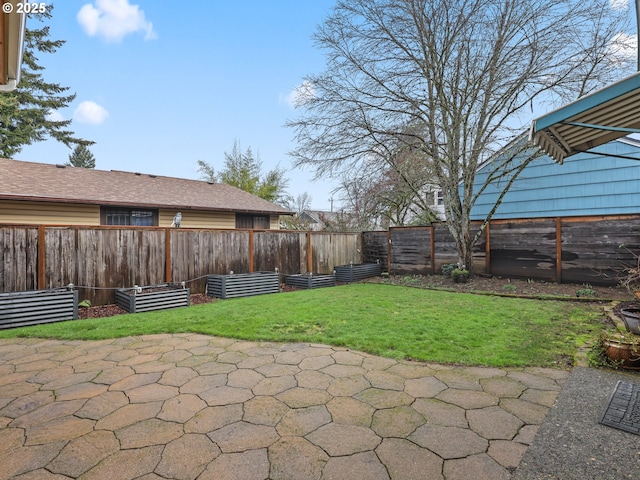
(298, 205)
(454, 80)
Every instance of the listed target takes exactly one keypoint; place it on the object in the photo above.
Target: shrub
(586, 291)
(447, 268)
(459, 275)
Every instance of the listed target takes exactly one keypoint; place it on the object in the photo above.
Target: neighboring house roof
(605, 181)
(320, 217)
(314, 216)
(57, 183)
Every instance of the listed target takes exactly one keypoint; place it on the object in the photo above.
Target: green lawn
(393, 321)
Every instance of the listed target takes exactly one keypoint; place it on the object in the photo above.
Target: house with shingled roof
(39, 193)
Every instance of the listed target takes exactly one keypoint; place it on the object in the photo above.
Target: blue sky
(161, 85)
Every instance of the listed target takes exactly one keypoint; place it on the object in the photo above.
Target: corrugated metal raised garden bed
(356, 271)
(153, 297)
(243, 284)
(309, 280)
(19, 309)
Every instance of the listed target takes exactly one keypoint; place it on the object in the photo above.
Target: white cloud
(623, 48)
(300, 95)
(619, 4)
(90, 112)
(54, 116)
(114, 19)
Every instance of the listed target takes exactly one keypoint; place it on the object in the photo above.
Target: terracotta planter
(623, 353)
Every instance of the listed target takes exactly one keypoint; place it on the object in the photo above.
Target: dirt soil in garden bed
(100, 311)
(512, 287)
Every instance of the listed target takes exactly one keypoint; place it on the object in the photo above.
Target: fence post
(389, 250)
(558, 250)
(487, 249)
(309, 253)
(42, 249)
(167, 254)
(251, 259)
(432, 234)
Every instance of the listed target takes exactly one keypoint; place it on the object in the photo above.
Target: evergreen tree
(244, 170)
(207, 172)
(24, 113)
(82, 157)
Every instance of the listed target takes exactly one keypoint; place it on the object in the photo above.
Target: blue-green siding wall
(585, 184)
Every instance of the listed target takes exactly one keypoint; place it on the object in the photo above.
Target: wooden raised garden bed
(243, 284)
(357, 271)
(308, 280)
(19, 309)
(153, 297)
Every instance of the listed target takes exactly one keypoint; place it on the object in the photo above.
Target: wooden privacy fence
(590, 250)
(100, 259)
(97, 260)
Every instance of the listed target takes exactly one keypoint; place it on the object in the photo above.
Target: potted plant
(622, 349)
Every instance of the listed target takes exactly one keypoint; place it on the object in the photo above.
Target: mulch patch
(511, 286)
(101, 311)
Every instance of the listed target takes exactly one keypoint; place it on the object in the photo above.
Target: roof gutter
(12, 29)
(111, 203)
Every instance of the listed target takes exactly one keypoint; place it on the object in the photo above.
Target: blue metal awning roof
(590, 121)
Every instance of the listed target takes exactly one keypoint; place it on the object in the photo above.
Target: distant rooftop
(21, 180)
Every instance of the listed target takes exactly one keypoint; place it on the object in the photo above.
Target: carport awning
(590, 121)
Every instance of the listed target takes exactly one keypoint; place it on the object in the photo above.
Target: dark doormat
(623, 409)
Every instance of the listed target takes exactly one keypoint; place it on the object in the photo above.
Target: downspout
(15, 52)
(638, 32)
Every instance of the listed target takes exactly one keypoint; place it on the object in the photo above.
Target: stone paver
(189, 406)
(84, 452)
(301, 421)
(187, 457)
(295, 458)
(252, 464)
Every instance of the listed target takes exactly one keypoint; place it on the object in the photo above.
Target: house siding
(19, 212)
(47, 213)
(584, 185)
(198, 219)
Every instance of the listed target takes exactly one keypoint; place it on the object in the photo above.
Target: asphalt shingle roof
(21, 180)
